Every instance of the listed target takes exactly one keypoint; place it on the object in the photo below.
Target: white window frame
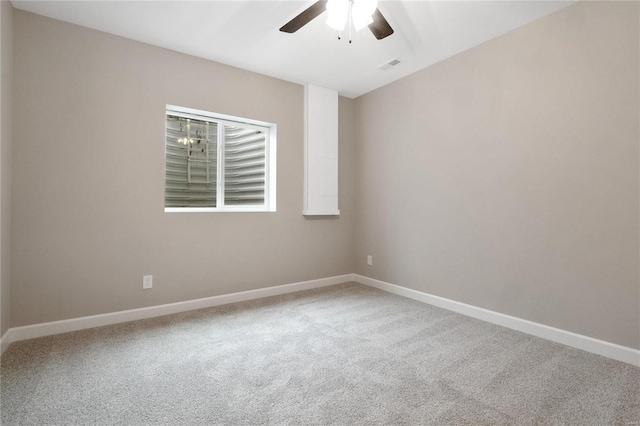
(270, 159)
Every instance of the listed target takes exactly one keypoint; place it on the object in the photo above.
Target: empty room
(320, 212)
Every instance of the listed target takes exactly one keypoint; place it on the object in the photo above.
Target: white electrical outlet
(147, 282)
(369, 260)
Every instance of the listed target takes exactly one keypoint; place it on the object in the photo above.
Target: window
(216, 162)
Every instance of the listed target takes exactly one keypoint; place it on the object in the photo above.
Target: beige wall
(88, 182)
(6, 137)
(507, 177)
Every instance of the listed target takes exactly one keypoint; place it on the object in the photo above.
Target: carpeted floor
(345, 354)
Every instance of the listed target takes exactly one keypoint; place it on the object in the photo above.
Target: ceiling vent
(392, 63)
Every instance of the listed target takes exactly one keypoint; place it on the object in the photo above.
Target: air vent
(392, 63)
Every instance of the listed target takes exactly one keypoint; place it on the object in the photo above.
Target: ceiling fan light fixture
(362, 11)
(337, 11)
(357, 13)
(360, 18)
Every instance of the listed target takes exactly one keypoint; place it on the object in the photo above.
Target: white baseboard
(589, 344)
(5, 340)
(56, 327)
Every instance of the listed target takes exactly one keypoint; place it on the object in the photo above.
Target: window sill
(217, 210)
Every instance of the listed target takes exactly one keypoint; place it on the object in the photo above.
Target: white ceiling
(245, 34)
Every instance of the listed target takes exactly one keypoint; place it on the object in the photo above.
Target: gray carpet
(345, 354)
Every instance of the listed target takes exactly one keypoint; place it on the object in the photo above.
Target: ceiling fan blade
(305, 17)
(380, 27)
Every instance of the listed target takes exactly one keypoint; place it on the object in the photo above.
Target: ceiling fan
(361, 12)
